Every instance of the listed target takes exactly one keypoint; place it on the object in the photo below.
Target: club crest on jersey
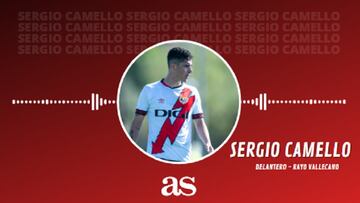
(184, 95)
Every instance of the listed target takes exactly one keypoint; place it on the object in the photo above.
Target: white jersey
(170, 111)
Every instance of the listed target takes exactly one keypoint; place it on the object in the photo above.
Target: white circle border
(169, 42)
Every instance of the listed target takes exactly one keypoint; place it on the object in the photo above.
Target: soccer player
(171, 105)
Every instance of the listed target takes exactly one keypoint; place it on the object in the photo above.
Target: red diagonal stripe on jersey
(169, 130)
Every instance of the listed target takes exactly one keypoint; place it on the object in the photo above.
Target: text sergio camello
(292, 149)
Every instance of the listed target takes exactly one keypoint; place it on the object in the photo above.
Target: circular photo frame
(178, 101)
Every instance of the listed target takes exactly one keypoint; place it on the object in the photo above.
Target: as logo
(174, 187)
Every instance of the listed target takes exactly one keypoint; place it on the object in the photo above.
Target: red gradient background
(66, 153)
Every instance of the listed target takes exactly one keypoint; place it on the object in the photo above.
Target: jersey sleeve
(142, 105)
(197, 111)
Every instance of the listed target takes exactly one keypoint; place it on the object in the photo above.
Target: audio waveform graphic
(262, 102)
(95, 102)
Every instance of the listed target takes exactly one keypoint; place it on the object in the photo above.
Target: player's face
(184, 69)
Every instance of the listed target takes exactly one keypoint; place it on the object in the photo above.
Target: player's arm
(136, 125)
(203, 133)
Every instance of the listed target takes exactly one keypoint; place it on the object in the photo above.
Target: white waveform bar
(262, 102)
(95, 102)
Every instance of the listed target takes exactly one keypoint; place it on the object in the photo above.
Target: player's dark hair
(178, 54)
